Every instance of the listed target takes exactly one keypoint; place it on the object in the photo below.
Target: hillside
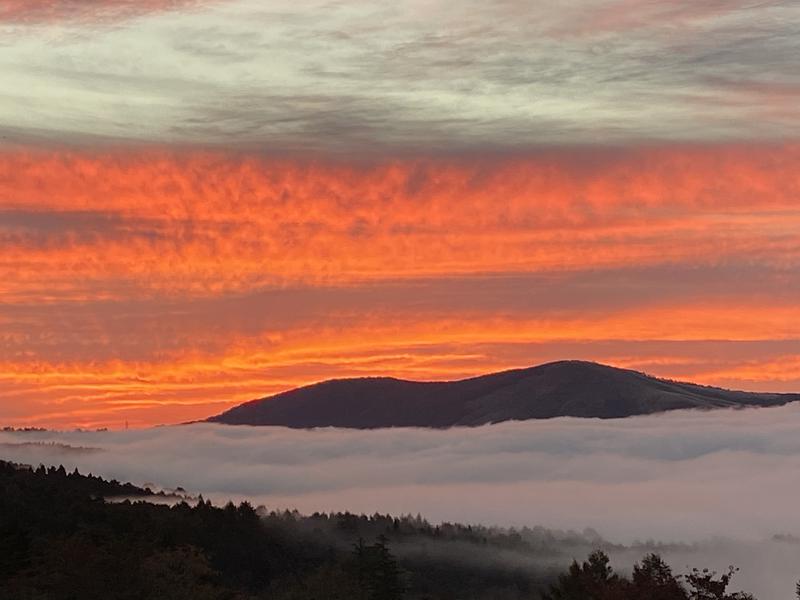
(565, 388)
(65, 536)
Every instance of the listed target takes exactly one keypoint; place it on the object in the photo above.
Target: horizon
(126, 425)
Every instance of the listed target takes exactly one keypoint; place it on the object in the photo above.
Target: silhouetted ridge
(564, 388)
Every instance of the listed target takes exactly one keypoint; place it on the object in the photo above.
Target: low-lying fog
(688, 477)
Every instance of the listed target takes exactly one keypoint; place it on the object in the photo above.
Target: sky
(205, 202)
(668, 477)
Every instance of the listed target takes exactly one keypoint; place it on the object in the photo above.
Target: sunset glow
(166, 254)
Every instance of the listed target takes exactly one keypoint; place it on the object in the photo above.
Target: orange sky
(207, 201)
(154, 284)
(172, 222)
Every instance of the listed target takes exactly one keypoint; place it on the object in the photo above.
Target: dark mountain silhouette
(565, 388)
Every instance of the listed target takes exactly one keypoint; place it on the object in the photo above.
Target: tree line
(62, 539)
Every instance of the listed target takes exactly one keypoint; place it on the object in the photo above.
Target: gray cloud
(59, 228)
(400, 76)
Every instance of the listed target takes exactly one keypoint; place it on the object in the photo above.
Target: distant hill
(558, 389)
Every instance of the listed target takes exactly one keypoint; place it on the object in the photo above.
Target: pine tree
(593, 580)
(377, 572)
(653, 580)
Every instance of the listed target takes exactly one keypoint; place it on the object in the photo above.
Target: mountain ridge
(562, 388)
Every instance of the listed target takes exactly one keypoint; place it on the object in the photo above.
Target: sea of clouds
(726, 481)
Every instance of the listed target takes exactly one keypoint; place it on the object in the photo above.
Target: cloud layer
(678, 477)
(401, 76)
(212, 221)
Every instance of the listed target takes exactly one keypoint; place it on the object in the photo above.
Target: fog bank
(684, 477)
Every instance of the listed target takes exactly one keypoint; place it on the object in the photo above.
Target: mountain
(564, 388)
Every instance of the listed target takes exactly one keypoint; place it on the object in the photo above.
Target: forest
(68, 536)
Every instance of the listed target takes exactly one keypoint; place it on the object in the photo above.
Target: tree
(180, 574)
(705, 586)
(653, 580)
(377, 571)
(328, 582)
(593, 580)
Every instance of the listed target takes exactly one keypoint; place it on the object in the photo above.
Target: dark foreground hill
(62, 539)
(565, 388)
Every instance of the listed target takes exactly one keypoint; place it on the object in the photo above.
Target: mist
(717, 485)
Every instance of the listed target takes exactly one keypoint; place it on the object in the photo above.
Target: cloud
(620, 16)
(681, 477)
(142, 283)
(388, 77)
(213, 222)
(87, 11)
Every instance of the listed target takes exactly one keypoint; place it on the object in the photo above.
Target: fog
(726, 481)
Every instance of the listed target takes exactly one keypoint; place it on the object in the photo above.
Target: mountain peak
(573, 388)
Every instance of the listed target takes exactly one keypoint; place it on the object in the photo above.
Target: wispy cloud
(397, 77)
(161, 285)
(86, 11)
(234, 222)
